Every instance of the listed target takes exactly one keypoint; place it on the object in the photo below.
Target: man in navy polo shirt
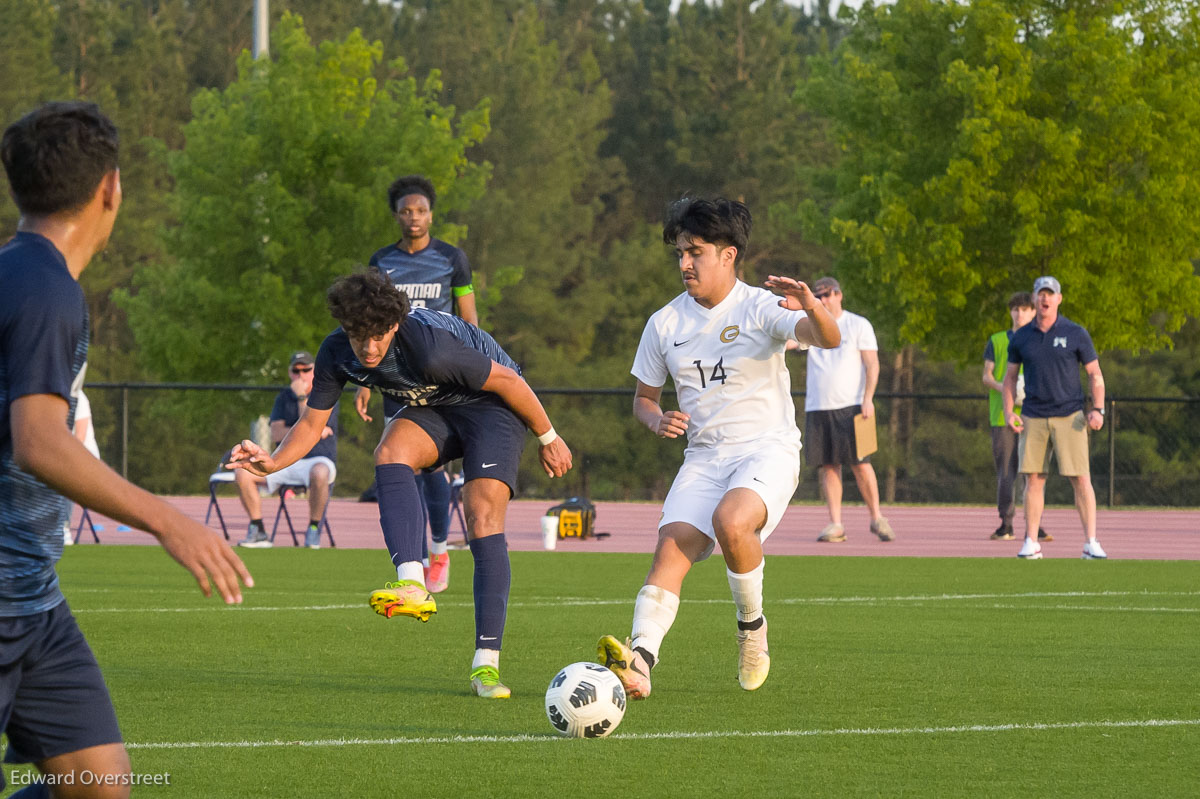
(61, 162)
(1051, 348)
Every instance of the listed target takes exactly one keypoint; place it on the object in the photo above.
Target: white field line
(585, 601)
(1120, 608)
(675, 736)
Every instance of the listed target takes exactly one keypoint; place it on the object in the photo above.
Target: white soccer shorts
(772, 472)
(298, 473)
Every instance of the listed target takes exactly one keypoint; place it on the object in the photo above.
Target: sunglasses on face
(299, 370)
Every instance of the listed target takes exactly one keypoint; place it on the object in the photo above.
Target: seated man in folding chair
(316, 471)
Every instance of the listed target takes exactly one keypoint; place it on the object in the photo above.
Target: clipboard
(865, 441)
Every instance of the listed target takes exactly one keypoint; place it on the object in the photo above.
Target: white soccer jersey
(728, 367)
(836, 377)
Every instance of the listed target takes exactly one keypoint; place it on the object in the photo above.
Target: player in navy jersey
(61, 161)
(434, 275)
(463, 397)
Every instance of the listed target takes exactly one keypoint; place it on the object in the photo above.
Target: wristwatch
(1099, 411)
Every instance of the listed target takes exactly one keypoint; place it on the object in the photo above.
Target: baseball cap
(825, 284)
(1046, 282)
(302, 358)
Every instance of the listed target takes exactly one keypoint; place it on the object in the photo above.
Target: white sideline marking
(669, 736)
(584, 601)
(1124, 608)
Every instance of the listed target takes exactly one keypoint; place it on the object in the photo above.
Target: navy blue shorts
(52, 696)
(486, 434)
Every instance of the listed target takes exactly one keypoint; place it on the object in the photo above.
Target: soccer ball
(585, 700)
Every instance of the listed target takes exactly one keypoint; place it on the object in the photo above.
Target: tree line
(936, 156)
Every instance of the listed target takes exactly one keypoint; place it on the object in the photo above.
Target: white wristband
(547, 437)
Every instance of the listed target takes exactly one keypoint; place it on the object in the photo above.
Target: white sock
(438, 547)
(411, 570)
(653, 614)
(747, 590)
(486, 657)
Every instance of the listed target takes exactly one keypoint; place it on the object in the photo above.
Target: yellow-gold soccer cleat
(485, 682)
(404, 597)
(629, 666)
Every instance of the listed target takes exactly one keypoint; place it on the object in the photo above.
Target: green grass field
(890, 676)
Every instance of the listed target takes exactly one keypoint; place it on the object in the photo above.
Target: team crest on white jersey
(730, 333)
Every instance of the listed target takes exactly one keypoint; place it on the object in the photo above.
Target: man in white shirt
(722, 343)
(840, 385)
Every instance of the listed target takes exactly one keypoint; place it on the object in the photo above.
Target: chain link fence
(933, 448)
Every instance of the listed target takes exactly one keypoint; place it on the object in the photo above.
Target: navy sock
(492, 579)
(436, 489)
(424, 515)
(400, 512)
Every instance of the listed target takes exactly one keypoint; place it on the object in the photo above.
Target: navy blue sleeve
(328, 380)
(38, 347)
(989, 353)
(1014, 348)
(460, 270)
(445, 360)
(375, 256)
(279, 412)
(1086, 351)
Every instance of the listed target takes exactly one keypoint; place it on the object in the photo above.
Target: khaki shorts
(1068, 435)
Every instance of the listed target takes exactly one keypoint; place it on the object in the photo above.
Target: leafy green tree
(31, 75)
(987, 143)
(280, 184)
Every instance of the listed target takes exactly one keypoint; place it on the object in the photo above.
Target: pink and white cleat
(629, 666)
(437, 576)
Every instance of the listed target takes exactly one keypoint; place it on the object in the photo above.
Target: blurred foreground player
(61, 161)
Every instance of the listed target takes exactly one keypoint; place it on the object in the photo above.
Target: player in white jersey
(722, 343)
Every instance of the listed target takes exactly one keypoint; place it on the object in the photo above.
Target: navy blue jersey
(427, 276)
(1051, 366)
(435, 359)
(43, 350)
(287, 410)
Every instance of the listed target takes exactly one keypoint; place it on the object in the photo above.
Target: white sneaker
(1093, 551)
(1030, 550)
(754, 661)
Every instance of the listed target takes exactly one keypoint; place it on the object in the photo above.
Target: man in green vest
(1004, 440)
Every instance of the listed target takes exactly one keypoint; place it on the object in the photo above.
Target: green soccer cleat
(485, 682)
(404, 597)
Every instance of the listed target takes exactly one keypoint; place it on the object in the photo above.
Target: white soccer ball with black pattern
(585, 700)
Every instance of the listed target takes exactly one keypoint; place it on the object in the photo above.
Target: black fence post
(125, 432)
(1112, 451)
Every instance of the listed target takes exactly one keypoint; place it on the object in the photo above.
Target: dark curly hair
(366, 304)
(411, 184)
(725, 223)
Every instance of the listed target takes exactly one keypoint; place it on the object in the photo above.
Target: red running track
(921, 531)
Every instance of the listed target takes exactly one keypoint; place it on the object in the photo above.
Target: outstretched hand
(251, 457)
(797, 296)
(209, 559)
(555, 457)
